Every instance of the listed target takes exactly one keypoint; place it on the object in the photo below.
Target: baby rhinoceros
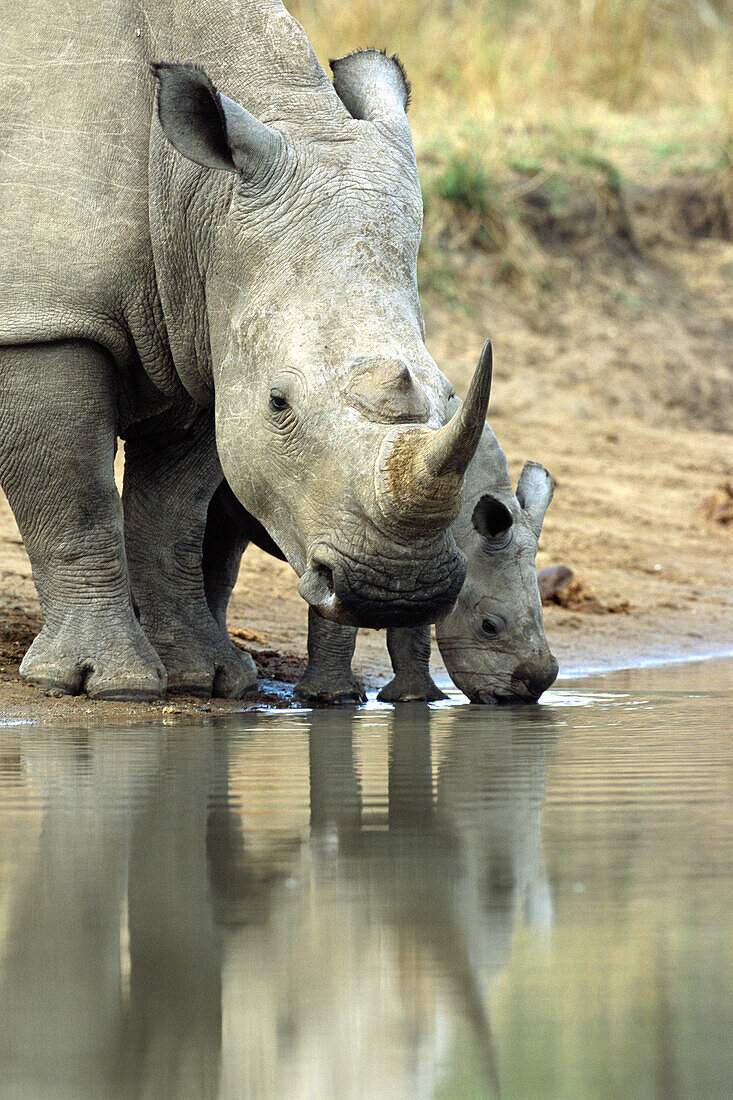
(493, 641)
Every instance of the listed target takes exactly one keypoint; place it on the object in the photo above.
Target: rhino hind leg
(328, 677)
(409, 651)
(224, 544)
(57, 445)
(170, 478)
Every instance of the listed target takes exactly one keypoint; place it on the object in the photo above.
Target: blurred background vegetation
(537, 121)
(530, 56)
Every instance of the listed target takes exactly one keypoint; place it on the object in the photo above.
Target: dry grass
(556, 102)
(541, 56)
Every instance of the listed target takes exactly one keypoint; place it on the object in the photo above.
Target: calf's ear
(209, 128)
(491, 518)
(534, 493)
(371, 85)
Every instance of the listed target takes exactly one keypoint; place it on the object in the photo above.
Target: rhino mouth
(502, 699)
(497, 699)
(410, 592)
(526, 684)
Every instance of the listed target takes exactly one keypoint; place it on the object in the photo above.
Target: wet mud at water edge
(445, 902)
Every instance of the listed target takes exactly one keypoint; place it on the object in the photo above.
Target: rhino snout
(531, 679)
(383, 592)
(524, 685)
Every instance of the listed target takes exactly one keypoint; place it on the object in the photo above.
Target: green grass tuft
(465, 182)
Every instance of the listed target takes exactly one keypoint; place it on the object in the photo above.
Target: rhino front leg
(57, 445)
(170, 480)
(409, 651)
(328, 677)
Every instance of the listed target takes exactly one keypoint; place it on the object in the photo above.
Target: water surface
(447, 902)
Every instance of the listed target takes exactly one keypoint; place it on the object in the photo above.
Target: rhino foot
(330, 690)
(206, 666)
(408, 687)
(106, 664)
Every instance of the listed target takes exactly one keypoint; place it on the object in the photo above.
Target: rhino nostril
(325, 575)
(318, 588)
(536, 678)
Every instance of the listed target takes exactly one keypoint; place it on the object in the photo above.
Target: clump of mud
(560, 586)
(17, 631)
(717, 509)
(287, 668)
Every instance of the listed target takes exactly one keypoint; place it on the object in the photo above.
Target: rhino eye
(493, 625)
(278, 401)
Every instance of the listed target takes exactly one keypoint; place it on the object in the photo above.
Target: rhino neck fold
(187, 208)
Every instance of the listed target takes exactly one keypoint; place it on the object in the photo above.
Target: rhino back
(74, 124)
(76, 102)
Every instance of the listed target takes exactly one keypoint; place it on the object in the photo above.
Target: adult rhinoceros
(226, 282)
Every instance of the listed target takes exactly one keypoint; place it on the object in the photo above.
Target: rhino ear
(209, 128)
(491, 518)
(371, 85)
(534, 492)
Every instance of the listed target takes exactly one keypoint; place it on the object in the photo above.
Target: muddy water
(443, 902)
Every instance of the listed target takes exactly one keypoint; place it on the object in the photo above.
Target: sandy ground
(619, 381)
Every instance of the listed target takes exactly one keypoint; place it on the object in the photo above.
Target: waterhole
(439, 901)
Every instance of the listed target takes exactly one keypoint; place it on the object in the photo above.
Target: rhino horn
(449, 450)
(424, 469)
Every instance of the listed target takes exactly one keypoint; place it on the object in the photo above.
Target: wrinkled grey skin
(229, 284)
(493, 642)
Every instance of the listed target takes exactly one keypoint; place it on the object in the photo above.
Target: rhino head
(493, 641)
(302, 237)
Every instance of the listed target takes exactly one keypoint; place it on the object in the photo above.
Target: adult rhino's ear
(371, 85)
(209, 128)
(534, 493)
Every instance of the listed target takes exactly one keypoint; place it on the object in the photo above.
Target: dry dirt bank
(618, 378)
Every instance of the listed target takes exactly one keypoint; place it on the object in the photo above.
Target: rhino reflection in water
(218, 266)
(352, 970)
(156, 945)
(110, 963)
